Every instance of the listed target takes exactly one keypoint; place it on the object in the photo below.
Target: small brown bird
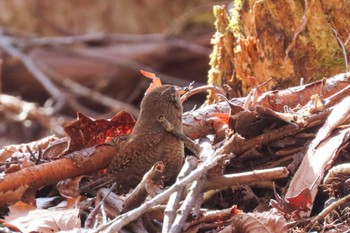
(149, 142)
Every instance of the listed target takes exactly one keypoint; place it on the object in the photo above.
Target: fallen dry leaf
(7, 151)
(12, 196)
(87, 132)
(316, 162)
(339, 114)
(31, 219)
(69, 188)
(291, 206)
(244, 223)
(273, 220)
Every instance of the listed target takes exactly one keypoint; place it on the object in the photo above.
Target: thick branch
(52, 172)
(197, 126)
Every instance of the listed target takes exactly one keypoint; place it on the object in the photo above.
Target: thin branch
(201, 89)
(91, 217)
(116, 224)
(220, 182)
(125, 62)
(83, 91)
(86, 38)
(328, 210)
(343, 48)
(30, 65)
(139, 194)
(175, 198)
(347, 40)
(114, 38)
(300, 28)
(190, 201)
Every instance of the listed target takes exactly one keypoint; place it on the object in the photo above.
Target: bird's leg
(189, 143)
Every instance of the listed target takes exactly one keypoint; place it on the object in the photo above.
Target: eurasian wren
(149, 142)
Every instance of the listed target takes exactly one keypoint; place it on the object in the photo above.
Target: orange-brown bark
(52, 172)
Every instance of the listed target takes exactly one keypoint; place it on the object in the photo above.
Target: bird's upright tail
(103, 182)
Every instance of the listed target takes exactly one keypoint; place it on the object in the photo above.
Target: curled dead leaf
(244, 223)
(69, 188)
(12, 196)
(292, 206)
(155, 80)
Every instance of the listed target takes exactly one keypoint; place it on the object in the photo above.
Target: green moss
(235, 18)
(334, 61)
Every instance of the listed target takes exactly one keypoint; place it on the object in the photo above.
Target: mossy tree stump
(284, 40)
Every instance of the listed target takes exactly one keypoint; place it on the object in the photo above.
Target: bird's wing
(136, 146)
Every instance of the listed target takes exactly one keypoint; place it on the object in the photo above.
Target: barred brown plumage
(149, 142)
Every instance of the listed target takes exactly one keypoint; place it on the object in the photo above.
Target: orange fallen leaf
(155, 80)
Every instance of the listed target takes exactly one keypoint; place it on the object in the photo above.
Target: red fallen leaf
(87, 132)
(223, 117)
(302, 200)
(155, 80)
(219, 122)
(293, 205)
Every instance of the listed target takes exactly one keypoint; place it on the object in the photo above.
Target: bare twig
(37, 73)
(299, 29)
(328, 210)
(190, 201)
(210, 217)
(139, 194)
(338, 96)
(127, 63)
(201, 89)
(343, 48)
(108, 38)
(86, 38)
(81, 90)
(32, 155)
(175, 198)
(91, 218)
(347, 40)
(239, 146)
(219, 182)
(126, 218)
